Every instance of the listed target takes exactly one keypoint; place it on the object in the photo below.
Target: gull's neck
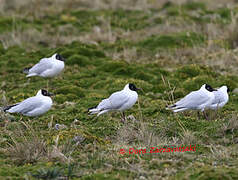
(39, 93)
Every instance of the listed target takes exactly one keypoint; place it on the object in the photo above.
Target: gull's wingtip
(8, 107)
(167, 108)
(170, 107)
(26, 70)
(92, 110)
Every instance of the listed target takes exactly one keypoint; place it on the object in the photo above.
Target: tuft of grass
(51, 173)
(192, 5)
(26, 148)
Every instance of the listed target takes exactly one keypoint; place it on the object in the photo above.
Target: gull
(33, 106)
(118, 101)
(195, 100)
(47, 67)
(221, 98)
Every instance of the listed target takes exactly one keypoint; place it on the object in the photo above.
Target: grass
(168, 49)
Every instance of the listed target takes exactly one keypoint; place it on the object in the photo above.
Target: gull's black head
(46, 93)
(209, 88)
(59, 57)
(133, 87)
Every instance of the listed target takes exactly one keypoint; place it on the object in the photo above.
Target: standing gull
(195, 100)
(118, 101)
(33, 106)
(47, 67)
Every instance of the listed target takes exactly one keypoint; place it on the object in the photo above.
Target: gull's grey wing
(193, 100)
(115, 101)
(40, 67)
(27, 105)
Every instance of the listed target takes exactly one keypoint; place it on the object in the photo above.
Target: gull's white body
(118, 101)
(221, 98)
(33, 106)
(47, 67)
(196, 100)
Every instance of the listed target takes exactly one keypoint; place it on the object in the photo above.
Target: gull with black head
(47, 67)
(195, 100)
(33, 106)
(118, 101)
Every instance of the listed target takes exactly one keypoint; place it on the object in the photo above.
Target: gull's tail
(26, 70)
(171, 107)
(93, 110)
(176, 108)
(96, 110)
(179, 109)
(7, 108)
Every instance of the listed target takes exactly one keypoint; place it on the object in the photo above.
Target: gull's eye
(44, 92)
(58, 57)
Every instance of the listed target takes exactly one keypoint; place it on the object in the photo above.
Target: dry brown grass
(18, 37)
(28, 145)
(230, 125)
(61, 152)
(24, 148)
(9, 6)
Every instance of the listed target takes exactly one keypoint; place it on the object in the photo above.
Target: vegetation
(167, 48)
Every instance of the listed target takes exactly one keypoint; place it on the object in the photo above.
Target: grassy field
(167, 48)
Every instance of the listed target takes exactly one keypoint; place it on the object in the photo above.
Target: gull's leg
(50, 81)
(123, 117)
(198, 115)
(47, 84)
(205, 115)
(216, 112)
(21, 117)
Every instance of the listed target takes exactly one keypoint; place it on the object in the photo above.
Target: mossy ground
(167, 50)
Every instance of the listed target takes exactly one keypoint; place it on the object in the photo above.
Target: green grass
(167, 65)
(185, 39)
